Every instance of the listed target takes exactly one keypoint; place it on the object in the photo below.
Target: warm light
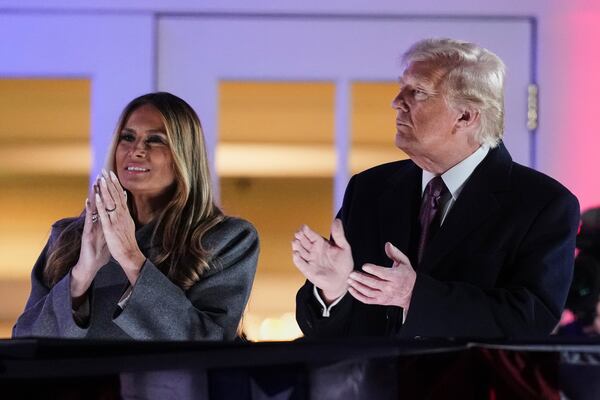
(45, 159)
(274, 160)
(373, 125)
(65, 159)
(271, 328)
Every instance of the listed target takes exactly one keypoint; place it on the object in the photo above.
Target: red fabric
(522, 375)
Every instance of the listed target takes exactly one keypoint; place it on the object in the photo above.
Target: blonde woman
(151, 257)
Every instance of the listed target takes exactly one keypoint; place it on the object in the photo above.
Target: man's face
(425, 123)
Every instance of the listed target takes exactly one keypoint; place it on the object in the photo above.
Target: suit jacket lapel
(399, 208)
(475, 204)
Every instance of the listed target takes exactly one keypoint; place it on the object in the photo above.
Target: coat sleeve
(529, 301)
(212, 308)
(309, 315)
(309, 312)
(48, 312)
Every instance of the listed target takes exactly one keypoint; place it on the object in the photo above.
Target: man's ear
(468, 118)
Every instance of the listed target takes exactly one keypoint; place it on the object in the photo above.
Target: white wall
(568, 61)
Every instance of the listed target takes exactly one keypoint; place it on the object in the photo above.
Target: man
(458, 241)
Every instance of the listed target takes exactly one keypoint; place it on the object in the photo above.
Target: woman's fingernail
(113, 176)
(104, 173)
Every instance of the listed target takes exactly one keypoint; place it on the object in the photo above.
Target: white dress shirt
(455, 178)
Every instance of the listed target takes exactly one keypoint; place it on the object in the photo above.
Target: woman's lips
(136, 170)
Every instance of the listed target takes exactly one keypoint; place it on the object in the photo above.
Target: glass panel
(276, 112)
(373, 126)
(277, 207)
(276, 129)
(276, 161)
(44, 167)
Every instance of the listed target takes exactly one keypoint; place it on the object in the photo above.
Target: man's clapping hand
(325, 263)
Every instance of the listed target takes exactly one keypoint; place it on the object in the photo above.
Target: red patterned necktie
(429, 216)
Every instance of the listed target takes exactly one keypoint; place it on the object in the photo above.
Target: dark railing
(326, 369)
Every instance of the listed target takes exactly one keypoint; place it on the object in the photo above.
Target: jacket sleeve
(309, 312)
(211, 309)
(309, 315)
(48, 312)
(530, 299)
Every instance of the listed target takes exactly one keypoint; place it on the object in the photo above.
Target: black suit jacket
(500, 266)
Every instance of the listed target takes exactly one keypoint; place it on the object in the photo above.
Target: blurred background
(294, 98)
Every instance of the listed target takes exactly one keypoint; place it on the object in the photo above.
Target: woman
(151, 256)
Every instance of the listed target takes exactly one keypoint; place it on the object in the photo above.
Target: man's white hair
(473, 77)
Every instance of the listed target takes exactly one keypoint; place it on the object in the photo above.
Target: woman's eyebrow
(153, 130)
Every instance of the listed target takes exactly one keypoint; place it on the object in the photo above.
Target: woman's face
(143, 157)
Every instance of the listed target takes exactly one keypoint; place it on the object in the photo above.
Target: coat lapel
(475, 204)
(398, 210)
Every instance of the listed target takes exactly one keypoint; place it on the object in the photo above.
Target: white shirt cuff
(326, 309)
(125, 298)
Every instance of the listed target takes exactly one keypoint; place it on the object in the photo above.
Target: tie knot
(435, 187)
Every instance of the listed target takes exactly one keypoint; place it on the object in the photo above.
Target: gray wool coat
(157, 308)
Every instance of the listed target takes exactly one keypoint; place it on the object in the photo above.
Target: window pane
(44, 167)
(373, 125)
(276, 160)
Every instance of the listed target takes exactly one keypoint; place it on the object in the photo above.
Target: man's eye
(419, 94)
(128, 137)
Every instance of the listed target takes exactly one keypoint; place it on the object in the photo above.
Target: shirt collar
(456, 176)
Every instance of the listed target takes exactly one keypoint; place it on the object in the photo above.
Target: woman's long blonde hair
(187, 216)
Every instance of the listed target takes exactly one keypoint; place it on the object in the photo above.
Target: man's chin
(402, 141)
